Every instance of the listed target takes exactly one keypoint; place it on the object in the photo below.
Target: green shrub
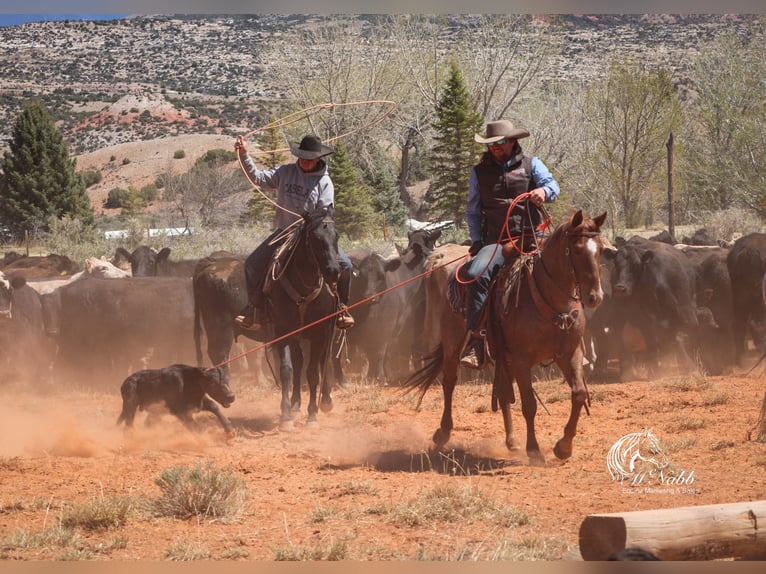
(149, 192)
(116, 198)
(91, 177)
(125, 161)
(98, 514)
(179, 154)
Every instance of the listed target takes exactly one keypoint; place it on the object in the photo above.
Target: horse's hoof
(512, 444)
(296, 407)
(441, 437)
(287, 426)
(536, 458)
(562, 450)
(325, 407)
(312, 423)
(230, 435)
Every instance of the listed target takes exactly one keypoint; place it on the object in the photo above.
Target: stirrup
(344, 319)
(474, 355)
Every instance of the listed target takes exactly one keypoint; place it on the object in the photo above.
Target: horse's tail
(422, 379)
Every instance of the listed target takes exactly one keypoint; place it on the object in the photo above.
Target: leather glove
(475, 248)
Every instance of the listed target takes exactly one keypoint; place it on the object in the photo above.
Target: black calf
(182, 388)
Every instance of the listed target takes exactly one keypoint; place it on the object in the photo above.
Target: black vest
(497, 190)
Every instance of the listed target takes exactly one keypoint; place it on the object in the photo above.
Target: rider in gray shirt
(301, 186)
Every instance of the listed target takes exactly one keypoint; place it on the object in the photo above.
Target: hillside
(144, 87)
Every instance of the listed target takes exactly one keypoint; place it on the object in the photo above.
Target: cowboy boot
(473, 355)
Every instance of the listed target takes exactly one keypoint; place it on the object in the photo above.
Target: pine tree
(354, 211)
(455, 151)
(38, 178)
(386, 198)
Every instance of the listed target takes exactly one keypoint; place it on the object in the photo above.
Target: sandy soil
(366, 484)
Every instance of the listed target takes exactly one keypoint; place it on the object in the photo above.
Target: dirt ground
(366, 484)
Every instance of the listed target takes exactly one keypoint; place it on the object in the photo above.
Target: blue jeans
(481, 268)
(257, 265)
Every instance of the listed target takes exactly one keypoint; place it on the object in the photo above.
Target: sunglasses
(498, 142)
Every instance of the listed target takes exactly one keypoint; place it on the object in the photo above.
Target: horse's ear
(577, 219)
(599, 221)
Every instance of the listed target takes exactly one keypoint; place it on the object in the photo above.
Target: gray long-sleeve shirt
(297, 190)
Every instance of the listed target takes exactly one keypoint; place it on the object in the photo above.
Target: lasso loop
(305, 114)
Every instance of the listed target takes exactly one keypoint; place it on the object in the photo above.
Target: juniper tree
(38, 179)
(455, 150)
(354, 211)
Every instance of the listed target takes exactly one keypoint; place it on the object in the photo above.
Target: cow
(701, 237)
(653, 286)
(39, 266)
(106, 328)
(713, 296)
(746, 263)
(145, 261)
(183, 389)
(25, 353)
(389, 332)
(664, 236)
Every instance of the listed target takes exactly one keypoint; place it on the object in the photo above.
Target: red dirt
(355, 485)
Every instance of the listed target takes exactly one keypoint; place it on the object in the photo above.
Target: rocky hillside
(115, 86)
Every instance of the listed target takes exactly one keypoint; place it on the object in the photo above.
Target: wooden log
(684, 533)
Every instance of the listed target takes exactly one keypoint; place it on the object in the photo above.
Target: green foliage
(354, 211)
(71, 237)
(385, 188)
(727, 163)
(149, 192)
(39, 179)
(133, 203)
(630, 115)
(91, 176)
(125, 161)
(199, 491)
(179, 154)
(270, 141)
(216, 157)
(454, 151)
(117, 197)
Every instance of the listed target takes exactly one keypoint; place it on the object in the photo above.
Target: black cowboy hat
(311, 147)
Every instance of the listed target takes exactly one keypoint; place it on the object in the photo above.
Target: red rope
(507, 234)
(335, 314)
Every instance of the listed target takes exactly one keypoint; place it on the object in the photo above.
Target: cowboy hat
(501, 129)
(311, 147)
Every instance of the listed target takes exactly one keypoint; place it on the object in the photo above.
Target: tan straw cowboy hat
(311, 147)
(501, 129)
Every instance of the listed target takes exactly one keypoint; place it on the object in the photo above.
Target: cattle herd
(687, 306)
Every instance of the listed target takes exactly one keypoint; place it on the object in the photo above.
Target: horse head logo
(635, 452)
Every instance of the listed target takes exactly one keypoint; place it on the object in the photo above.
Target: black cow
(147, 262)
(701, 237)
(746, 263)
(713, 295)
(653, 286)
(25, 352)
(107, 328)
(664, 236)
(390, 333)
(182, 388)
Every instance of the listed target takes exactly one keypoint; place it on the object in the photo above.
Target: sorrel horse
(533, 315)
(302, 293)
